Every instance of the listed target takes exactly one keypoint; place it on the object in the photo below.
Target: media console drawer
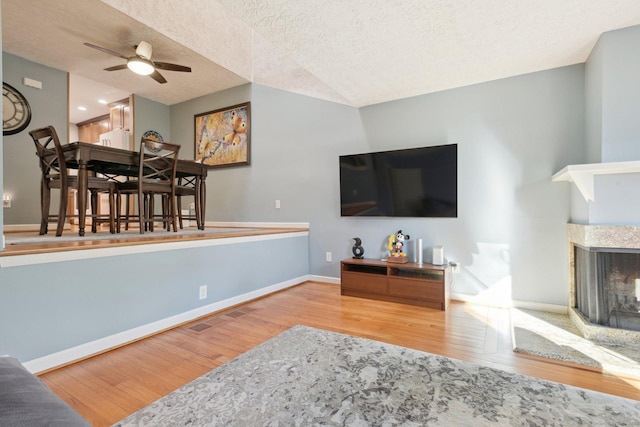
(425, 285)
(425, 289)
(364, 282)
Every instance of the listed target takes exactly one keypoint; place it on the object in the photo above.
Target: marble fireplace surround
(600, 236)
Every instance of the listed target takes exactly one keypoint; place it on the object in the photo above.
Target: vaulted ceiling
(355, 52)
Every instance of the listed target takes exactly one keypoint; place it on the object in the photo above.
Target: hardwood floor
(110, 386)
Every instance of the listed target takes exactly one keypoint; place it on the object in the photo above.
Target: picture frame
(223, 136)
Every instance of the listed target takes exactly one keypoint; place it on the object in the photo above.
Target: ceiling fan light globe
(143, 50)
(140, 66)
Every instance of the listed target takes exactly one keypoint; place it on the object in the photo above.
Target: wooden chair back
(54, 175)
(50, 154)
(157, 162)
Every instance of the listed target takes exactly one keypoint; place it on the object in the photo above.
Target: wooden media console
(426, 285)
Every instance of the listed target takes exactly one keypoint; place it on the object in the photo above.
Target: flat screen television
(415, 182)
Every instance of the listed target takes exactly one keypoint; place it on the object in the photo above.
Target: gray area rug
(307, 376)
(72, 236)
(554, 336)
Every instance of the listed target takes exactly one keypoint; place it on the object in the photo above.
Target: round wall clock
(152, 134)
(16, 112)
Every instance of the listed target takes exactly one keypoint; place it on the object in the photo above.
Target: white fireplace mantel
(583, 175)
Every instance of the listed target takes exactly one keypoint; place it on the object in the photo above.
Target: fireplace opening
(607, 286)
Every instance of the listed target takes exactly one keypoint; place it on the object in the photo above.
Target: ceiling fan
(142, 63)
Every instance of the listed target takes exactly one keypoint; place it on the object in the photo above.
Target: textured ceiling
(356, 52)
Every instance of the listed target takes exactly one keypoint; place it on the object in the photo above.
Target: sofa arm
(26, 401)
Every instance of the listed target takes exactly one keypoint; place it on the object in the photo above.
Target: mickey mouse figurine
(396, 244)
(358, 250)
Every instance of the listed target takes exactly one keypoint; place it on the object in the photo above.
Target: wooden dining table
(117, 162)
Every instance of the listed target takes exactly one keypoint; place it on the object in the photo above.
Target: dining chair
(185, 187)
(188, 187)
(156, 176)
(55, 175)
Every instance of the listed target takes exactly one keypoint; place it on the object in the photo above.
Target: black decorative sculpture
(358, 250)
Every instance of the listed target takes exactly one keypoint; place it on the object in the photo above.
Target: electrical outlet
(455, 267)
(277, 204)
(203, 291)
(327, 256)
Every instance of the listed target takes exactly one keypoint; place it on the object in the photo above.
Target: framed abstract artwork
(223, 137)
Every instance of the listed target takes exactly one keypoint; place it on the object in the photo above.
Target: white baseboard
(529, 305)
(479, 299)
(101, 345)
(324, 279)
(541, 306)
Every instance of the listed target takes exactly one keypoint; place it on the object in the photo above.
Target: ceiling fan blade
(105, 50)
(157, 77)
(117, 67)
(171, 67)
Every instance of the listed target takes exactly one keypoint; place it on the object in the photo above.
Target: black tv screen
(416, 182)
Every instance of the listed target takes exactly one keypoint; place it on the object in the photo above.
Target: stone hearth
(599, 236)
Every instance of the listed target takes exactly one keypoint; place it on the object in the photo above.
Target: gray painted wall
(150, 115)
(612, 95)
(617, 200)
(21, 171)
(593, 105)
(295, 143)
(52, 307)
(512, 135)
(621, 95)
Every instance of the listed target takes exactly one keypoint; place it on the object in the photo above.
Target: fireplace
(607, 286)
(604, 287)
